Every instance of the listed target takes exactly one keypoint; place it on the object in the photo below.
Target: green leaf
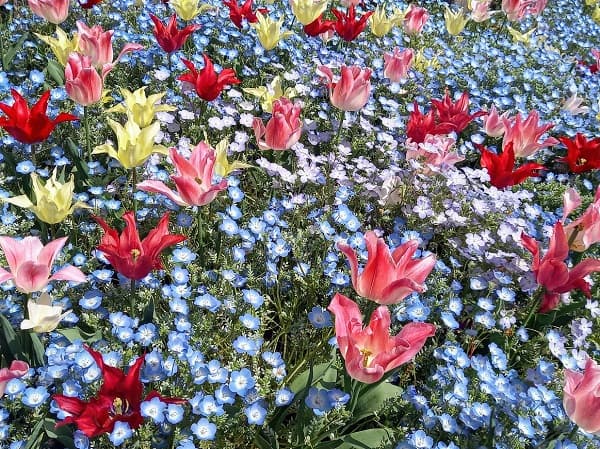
(62, 434)
(37, 353)
(366, 439)
(372, 399)
(56, 71)
(9, 344)
(323, 372)
(8, 57)
(265, 442)
(82, 171)
(76, 333)
(35, 439)
(149, 313)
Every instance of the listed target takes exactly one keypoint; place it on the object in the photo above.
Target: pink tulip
(585, 230)
(17, 369)
(415, 19)
(83, 83)
(581, 399)
(551, 271)
(194, 178)
(396, 65)
(283, 129)
(30, 263)
(436, 152)
(524, 134)
(352, 91)
(370, 351)
(54, 11)
(97, 44)
(516, 10)
(493, 124)
(480, 10)
(388, 278)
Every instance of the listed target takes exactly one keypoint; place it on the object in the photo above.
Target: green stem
(132, 296)
(170, 66)
(86, 125)
(339, 130)
(199, 227)
(133, 183)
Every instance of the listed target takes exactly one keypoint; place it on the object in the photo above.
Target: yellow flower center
(135, 253)
(367, 356)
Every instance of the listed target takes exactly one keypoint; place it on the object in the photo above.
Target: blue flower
(252, 297)
(241, 381)
(209, 406)
(204, 430)
(91, 300)
(283, 397)
(146, 334)
(183, 255)
(121, 432)
(224, 395)
(421, 440)
(154, 409)
(80, 440)
(318, 400)
(255, 414)
(249, 321)
(174, 413)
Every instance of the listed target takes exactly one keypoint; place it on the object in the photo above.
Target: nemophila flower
(34, 397)
(193, 178)
(140, 108)
(352, 91)
(551, 271)
(414, 19)
(238, 13)
(131, 257)
(501, 168)
(207, 84)
(204, 430)
(30, 125)
(121, 432)
(188, 9)
(455, 113)
(318, 400)
(61, 46)
(397, 64)
(245, 345)
(582, 154)
(388, 277)
(256, 414)
(30, 263)
(119, 399)
(241, 381)
(269, 31)
(154, 409)
(54, 200)
(42, 315)
(319, 317)
(370, 351)
(17, 369)
(54, 11)
(174, 413)
(580, 398)
(283, 397)
(347, 25)
(283, 129)
(169, 37)
(525, 134)
(585, 230)
(253, 297)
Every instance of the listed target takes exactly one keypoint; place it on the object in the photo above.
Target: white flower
(43, 316)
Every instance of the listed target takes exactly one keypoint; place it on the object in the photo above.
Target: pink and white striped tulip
(283, 129)
(581, 399)
(352, 91)
(54, 11)
(397, 64)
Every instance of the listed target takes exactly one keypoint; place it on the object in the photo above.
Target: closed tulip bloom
(141, 108)
(581, 399)
(397, 64)
(352, 91)
(388, 277)
(283, 129)
(493, 123)
(134, 144)
(207, 84)
(415, 19)
(54, 11)
(30, 263)
(95, 43)
(53, 199)
(370, 352)
(61, 46)
(17, 369)
(480, 10)
(83, 83)
(307, 11)
(193, 178)
(584, 231)
(170, 38)
(269, 31)
(132, 257)
(43, 316)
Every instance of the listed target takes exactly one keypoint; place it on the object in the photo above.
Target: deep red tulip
(347, 26)
(501, 167)
(30, 125)
(118, 399)
(420, 125)
(319, 26)
(582, 154)
(131, 257)
(237, 13)
(169, 37)
(456, 114)
(89, 4)
(206, 82)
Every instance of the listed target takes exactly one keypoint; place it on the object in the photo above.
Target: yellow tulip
(307, 11)
(222, 165)
(591, 2)
(139, 108)
(422, 62)
(380, 23)
(134, 144)
(269, 31)
(188, 9)
(596, 14)
(455, 21)
(54, 200)
(61, 46)
(268, 94)
(520, 37)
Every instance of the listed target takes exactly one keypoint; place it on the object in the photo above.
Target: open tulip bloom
(30, 263)
(43, 316)
(582, 397)
(370, 351)
(388, 277)
(17, 369)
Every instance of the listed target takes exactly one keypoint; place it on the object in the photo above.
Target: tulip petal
(69, 273)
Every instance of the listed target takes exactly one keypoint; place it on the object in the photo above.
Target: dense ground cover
(214, 217)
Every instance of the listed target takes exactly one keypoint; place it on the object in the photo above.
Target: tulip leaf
(366, 439)
(87, 335)
(35, 440)
(82, 171)
(323, 372)
(56, 71)
(9, 344)
(149, 313)
(372, 400)
(63, 434)
(10, 53)
(37, 352)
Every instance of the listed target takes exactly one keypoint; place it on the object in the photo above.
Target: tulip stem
(132, 296)
(199, 230)
(170, 66)
(336, 142)
(133, 183)
(86, 127)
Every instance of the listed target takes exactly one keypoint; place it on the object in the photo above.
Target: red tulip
(319, 26)
(501, 167)
(420, 125)
(353, 89)
(237, 13)
(388, 277)
(131, 257)
(551, 271)
(283, 129)
(206, 82)
(30, 125)
(582, 154)
(456, 114)
(371, 351)
(169, 37)
(118, 399)
(89, 4)
(347, 26)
